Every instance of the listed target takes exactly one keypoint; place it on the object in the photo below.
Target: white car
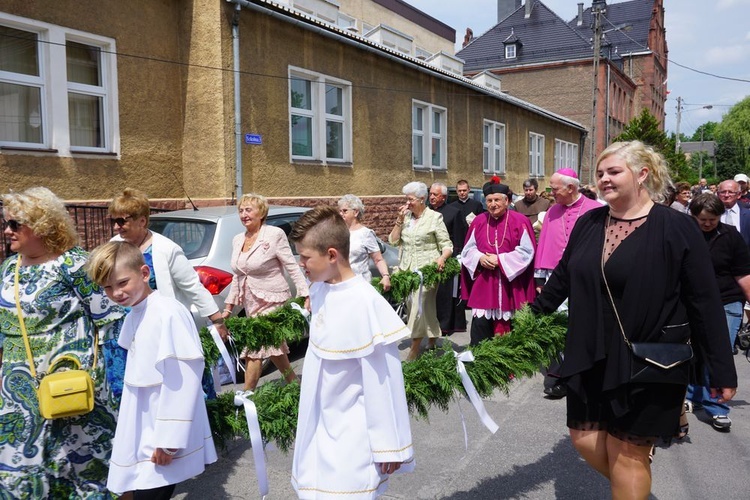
(205, 236)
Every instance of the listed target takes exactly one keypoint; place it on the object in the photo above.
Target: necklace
(566, 233)
(148, 233)
(505, 231)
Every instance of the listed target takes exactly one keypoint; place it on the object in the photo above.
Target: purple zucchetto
(568, 172)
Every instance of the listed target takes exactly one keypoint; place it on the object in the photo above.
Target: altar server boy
(162, 435)
(353, 428)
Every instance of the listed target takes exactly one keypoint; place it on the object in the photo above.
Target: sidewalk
(529, 457)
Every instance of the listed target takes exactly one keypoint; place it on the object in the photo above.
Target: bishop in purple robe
(497, 277)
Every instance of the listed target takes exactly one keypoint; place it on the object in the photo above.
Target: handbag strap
(26, 343)
(21, 322)
(606, 285)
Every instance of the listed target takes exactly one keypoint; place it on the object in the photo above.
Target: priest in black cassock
(451, 310)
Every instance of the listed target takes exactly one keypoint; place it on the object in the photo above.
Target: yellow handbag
(65, 394)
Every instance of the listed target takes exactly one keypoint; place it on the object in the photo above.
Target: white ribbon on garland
(476, 400)
(223, 350)
(304, 312)
(256, 439)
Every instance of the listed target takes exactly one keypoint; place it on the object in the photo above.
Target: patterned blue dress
(63, 458)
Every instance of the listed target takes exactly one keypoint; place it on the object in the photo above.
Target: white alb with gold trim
(353, 413)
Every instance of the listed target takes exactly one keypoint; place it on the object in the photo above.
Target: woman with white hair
(423, 239)
(363, 245)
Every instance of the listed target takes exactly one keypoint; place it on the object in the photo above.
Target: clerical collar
(577, 200)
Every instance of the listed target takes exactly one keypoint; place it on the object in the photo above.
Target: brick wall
(380, 211)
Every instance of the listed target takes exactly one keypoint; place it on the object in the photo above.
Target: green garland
(405, 282)
(430, 380)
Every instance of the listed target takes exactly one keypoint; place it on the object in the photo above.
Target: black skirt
(652, 415)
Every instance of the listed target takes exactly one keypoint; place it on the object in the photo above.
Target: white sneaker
(721, 422)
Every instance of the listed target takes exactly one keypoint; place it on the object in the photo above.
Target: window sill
(417, 168)
(93, 153)
(321, 163)
(19, 149)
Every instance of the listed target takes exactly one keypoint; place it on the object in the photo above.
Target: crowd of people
(614, 256)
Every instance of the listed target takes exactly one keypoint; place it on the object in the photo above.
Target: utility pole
(700, 165)
(597, 9)
(677, 126)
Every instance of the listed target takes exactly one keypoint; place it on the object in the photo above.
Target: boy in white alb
(353, 429)
(162, 414)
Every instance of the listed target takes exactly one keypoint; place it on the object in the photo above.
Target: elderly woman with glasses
(171, 272)
(47, 297)
(363, 245)
(423, 239)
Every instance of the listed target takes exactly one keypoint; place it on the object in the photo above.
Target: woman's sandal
(684, 425)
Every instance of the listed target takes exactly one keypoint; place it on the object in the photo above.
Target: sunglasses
(120, 221)
(13, 224)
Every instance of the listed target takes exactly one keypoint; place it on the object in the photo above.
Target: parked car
(206, 235)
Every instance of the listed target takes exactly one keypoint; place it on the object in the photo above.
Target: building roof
(304, 20)
(545, 37)
(709, 147)
(633, 19)
(420, 18)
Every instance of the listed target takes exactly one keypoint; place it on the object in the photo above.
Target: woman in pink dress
(259, 257)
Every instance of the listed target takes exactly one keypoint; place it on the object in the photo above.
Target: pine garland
(266, 330)
(430, 380)
(405, 282)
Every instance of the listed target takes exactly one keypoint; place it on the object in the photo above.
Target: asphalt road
(529, 457)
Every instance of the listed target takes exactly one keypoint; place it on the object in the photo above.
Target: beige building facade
(322, 111)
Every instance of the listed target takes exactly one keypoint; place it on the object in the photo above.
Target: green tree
(708, 131)
(733, 136)
(645, 128)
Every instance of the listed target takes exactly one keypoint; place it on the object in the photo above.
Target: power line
(672, 60)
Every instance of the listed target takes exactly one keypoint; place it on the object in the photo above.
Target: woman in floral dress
(62, 309)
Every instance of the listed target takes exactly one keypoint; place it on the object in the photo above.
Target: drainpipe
(607, 114)
(237, 106)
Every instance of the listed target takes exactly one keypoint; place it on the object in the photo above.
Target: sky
(712, 36)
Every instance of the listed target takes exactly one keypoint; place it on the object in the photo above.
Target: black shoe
(556, 391)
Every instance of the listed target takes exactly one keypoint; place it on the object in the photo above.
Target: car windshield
(194, 236)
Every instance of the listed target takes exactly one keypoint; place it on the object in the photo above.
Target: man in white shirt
(735, 214)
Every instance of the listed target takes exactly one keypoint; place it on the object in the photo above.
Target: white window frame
(54, 85)
(320, 117)
(427, 134)
(493, 147)
(536, 155)
(566, 155)
(510, 51)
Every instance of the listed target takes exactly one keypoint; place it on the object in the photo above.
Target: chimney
(580, 14)
(506, 8)
(468, 37)
(528, 9)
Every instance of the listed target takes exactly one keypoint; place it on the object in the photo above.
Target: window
(510, 51)
(57, 89)
(536, 155)
(428, 136)
(566, 155)
(320, 117)
(493, 152)
(421, 53)
(346, 22)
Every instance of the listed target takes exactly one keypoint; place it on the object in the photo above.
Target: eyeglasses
(728, 192)
(120, 221)
(13, 224)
